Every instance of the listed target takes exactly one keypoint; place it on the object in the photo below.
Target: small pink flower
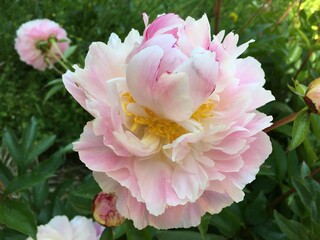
(34, 43)
(104, 210)
(312, 97)
(60, 228)
(176, 132)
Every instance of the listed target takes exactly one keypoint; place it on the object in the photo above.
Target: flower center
(164, 128)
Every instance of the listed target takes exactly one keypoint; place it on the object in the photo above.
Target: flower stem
(281, 122)
(217, 7)
(53, 55)
(56, 47)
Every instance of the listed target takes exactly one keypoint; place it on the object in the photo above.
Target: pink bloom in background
(33, 42)
(60, 228)
(175, 132)
(104, 210)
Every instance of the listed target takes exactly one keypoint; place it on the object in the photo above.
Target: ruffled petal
(202, 72)
(195, 34)
(167, 96)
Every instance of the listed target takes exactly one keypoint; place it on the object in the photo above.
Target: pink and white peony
(34, 43)
(175, 132)
(60, 228)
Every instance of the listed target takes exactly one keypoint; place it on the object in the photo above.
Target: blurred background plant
(42, 177)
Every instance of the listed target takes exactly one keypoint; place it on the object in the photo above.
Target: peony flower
(104, 210)
(312, 97)
(60, 228)
(175, 130)
(41, 42)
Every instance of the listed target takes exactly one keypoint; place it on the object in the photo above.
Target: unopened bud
(104, 210)
(312, 97)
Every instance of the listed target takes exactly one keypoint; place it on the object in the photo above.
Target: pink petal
(167, 96)
(202, 71)
(69, 80)
(189, 179)
(162, 24)
(154, 179)
(195, 34)
(95, 155)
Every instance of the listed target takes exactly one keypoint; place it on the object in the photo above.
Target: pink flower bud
(312, 97)
(104, 210)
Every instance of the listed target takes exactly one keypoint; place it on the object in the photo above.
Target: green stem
(281, 122)
(56, 47)
(54, 56)
(53, 67)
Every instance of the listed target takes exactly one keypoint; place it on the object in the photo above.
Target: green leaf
(315, 229)
(82, 197)
(40, 194)
(298, 88)
(304, 37)
(185, 235)
(107, 234)
(300, 129)
(305, 170)
(310, 154)
(315, 125)
(5, 173)
(135, 234)
(70, 50)
(268, 230)
(279, 160)
(227, 222)
(304, 193)
(18, 216)
(119, 231)
(53, 163)
(294, 53)
(203, 227)
(292, 229)
(24, 182)
(255, 213)
(41, 147)
(55, 89)
(88, 189)
(29, 135)
(13, 146)
(10, 234)
(293, 163)
(297, 207)
(54, 82)
(82, 205)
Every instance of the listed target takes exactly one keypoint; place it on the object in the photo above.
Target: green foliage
(24, 180)
(26, 151)
(18, 215)
(300, 129)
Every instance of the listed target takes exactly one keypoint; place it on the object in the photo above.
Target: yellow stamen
(165, 128)
(204, 111)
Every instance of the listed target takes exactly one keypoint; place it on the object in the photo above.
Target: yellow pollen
(165, 128)
(204, 111)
